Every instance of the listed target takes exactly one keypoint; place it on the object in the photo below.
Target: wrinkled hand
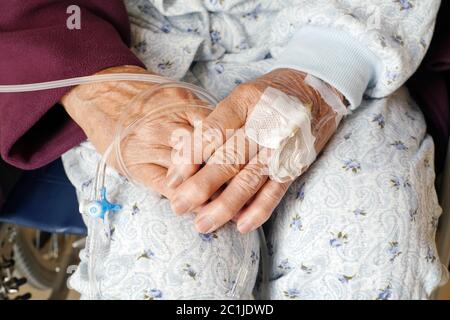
(146, 152)
(230, 186)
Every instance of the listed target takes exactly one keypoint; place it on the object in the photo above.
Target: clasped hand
(220, 177)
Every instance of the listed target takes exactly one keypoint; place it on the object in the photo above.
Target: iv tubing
(82, 80)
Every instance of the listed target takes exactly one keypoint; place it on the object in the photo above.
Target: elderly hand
(147, 150)
(248, 196)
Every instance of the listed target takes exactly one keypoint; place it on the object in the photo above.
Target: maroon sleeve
(35, 46)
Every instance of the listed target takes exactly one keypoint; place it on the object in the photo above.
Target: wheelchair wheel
(43, 258)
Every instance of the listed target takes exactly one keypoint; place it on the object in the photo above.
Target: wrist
(292, 82)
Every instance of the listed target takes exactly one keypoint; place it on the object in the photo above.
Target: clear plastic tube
(121, 133)
(83, 80)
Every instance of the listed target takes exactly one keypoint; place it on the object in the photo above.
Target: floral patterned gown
(359, 224)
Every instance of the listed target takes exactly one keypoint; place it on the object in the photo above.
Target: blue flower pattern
(379, 119)
(253, 14)
(208, 237)
(404, 4)
(147, 254)
(345, 279)
(135, 210)
(430, 257)
(359, 213)
(385, 293)
(141, 47)
(352, 165)
(219, 68)
(254, 257)
(413, 214)
(190, 271)
(399, 145)
(284, 265)
(338, 240)
(400, 182)
(394, 250)
(153, 294)
(296, 223)
(215, 36)
(292, 293)
(301, 192)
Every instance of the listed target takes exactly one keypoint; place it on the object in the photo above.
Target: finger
(221, 124)
(265, 202)
(240, 190)
(135, 151)
(200, 207)
(184, 158)
(144, 153)
(222, 167)
(187, 157)
(238, 215)
(198, 113)
(150, 142)
(153, 177)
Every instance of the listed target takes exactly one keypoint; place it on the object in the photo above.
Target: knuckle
(198, 193)
(245, 96)
(180, 93)
(246, 88)
(229, 155)
(252, 89)
(212, 128)
(249, 179)
(226, 210)
(226, 160)
(227, 169)
(275, 194)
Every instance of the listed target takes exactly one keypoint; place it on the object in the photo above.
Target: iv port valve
(99, 208)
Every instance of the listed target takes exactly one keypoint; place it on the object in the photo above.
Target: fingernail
(174, 179)
(205, 225)
(246, 226)
(181, 205)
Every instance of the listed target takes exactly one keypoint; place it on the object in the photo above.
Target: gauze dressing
(283, 124)
(328, 96)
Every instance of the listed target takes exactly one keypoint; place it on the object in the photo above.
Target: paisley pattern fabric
(232, 41)
(360, 224)
(147, 252)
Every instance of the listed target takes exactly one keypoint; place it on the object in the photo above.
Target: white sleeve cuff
(333, 56)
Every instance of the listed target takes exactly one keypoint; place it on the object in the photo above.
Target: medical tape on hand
(329, 96)
(283, 124)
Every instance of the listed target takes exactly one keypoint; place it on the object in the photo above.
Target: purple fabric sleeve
(35, 46)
